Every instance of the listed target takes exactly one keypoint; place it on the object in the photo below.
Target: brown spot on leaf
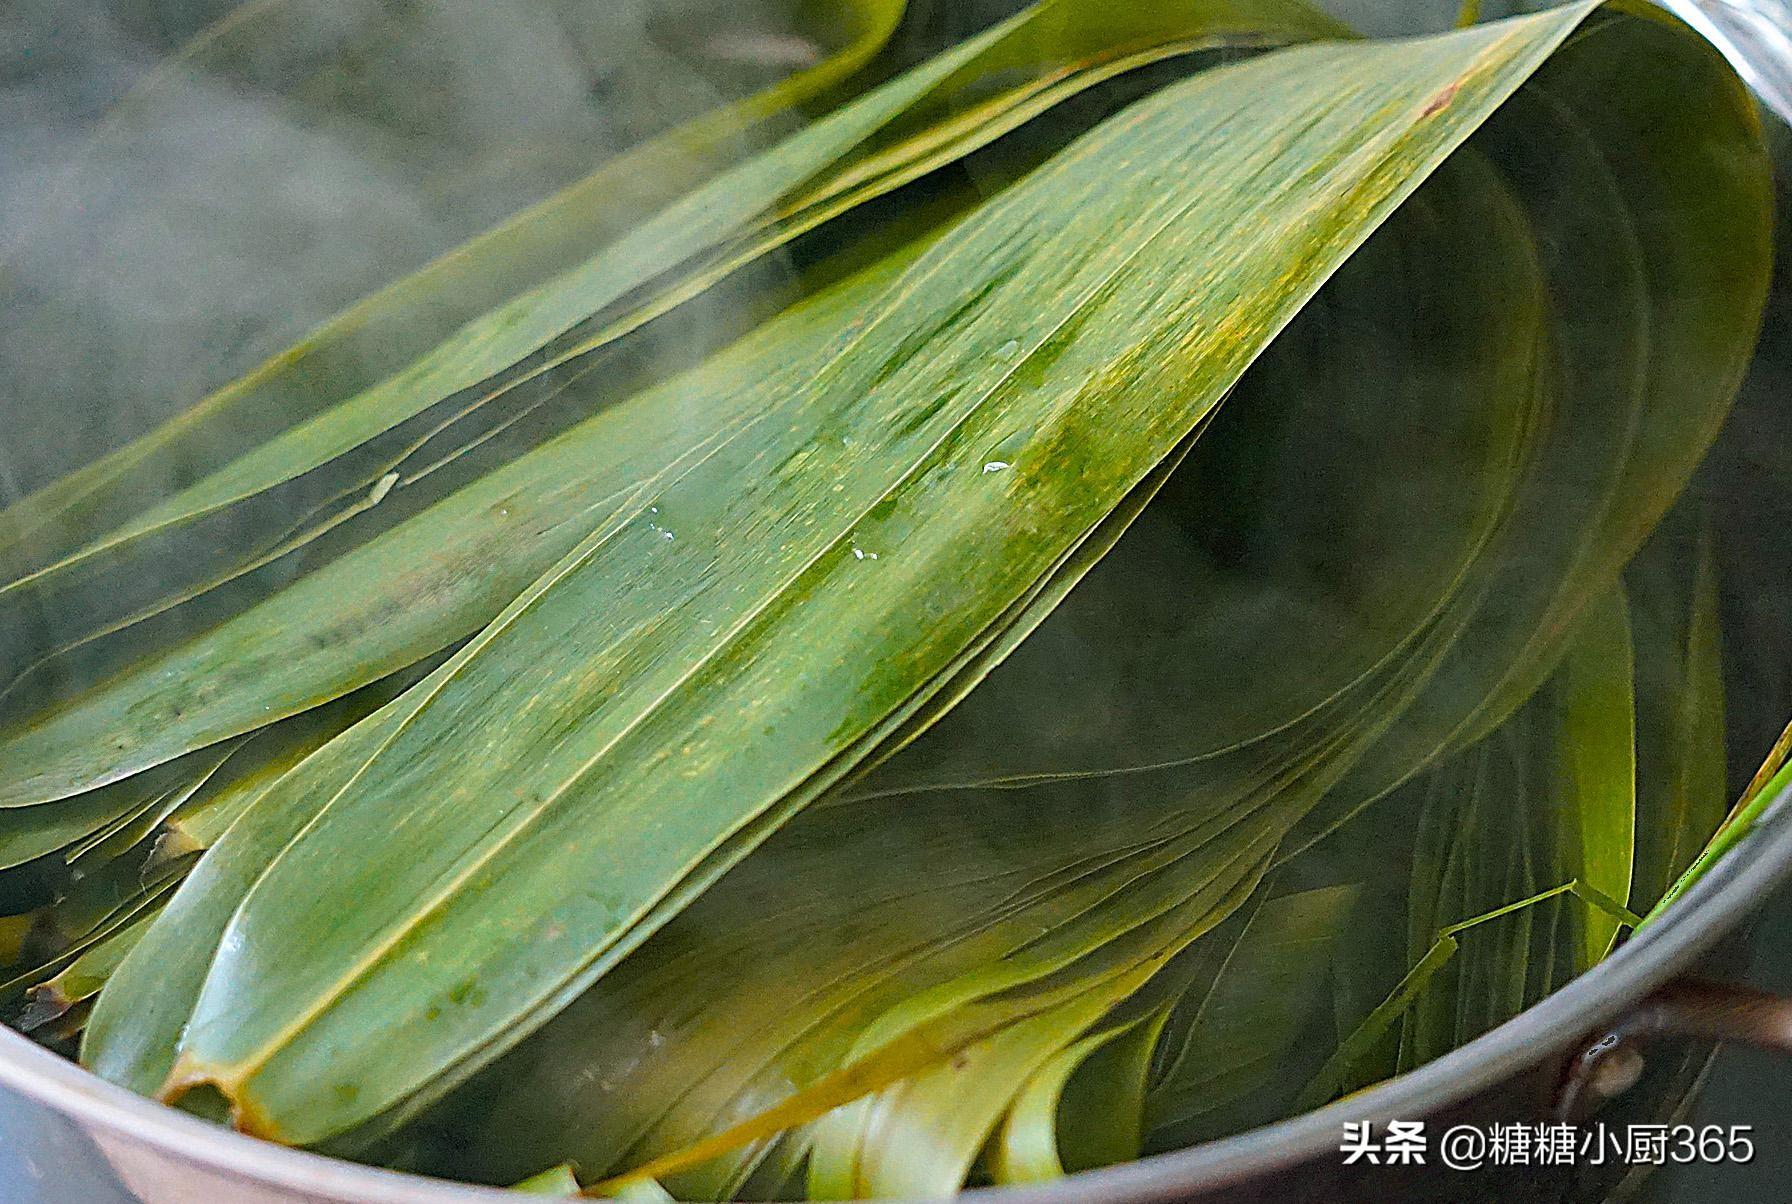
(1442, 100)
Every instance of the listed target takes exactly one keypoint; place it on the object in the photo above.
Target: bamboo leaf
(559, 1181)
(918, 1138)
(1363, 1039)
(863, 150)
(83, 978)
(341, 626)
(1376, 1025)
(1597, 738)
(1097, 1122)
(181, 949)
(1250, 1016)
(643, 1191)
(1566, 766)
(1681, 775)
(937, 436)
(710, 1147)
(1632, 390)
(1139, 764)
(338, 651)
(1740, 824)
(708, 622)
(35, 832)
(108, 913)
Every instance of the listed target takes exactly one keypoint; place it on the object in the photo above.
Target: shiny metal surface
(1755, 35)
(1687, 1009)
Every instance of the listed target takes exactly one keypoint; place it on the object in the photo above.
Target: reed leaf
(868, 147)
(977, 539)
(940, 721)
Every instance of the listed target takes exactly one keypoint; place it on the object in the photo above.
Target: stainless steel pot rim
(1712, 908)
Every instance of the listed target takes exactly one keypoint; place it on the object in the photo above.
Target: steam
(188, 188)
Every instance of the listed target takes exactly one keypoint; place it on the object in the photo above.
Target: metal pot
(73, 1137)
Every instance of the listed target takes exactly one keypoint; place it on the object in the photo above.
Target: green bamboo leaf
(509, 530)
(1768, 785)
(83, 978)
(919, 1137)
(1683, 763)
(1002, 1023)
(1549, 795)
(1333, 1076)
(206, 905)
(1040, 768)
(1777, 758)
(930, 431)
(29, 833)
(1237, 1037)
(1596, 686)
(104, 617)
(937, 440)
(1078, 747)
(1380, 1021)
(924, 1127)
(867, 148)
(1097, 1122)
(1101, 1115)
(496, 340)
(341, 626)
(122, 835)
(845, 1170)
(1621, 860)
(1496, 851)
(15, 934)
(128, 871)
(560, 1181)
(107, 909)
(202, 819)
(150, 826)
(643, 1191)
(1632, 391)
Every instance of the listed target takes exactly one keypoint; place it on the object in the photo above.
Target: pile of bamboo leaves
(1161, 529)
